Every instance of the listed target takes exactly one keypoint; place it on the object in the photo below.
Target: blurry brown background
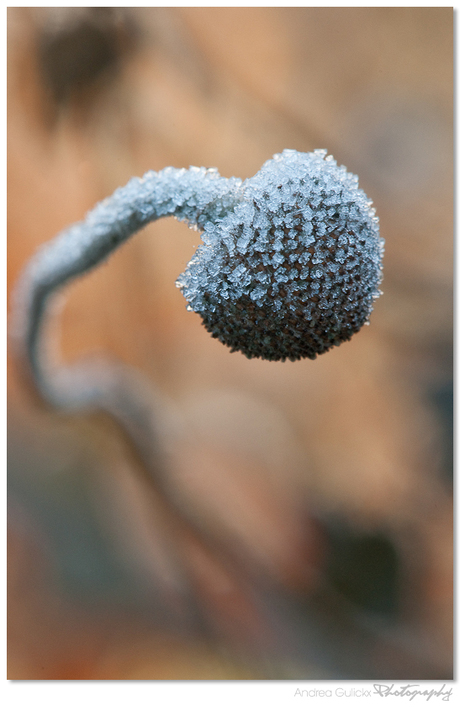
(330, 478)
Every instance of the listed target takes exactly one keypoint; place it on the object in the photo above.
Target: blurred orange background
(330, 479)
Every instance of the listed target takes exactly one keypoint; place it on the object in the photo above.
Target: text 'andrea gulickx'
(328, 693)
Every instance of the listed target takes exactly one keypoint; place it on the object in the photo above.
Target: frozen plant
(290, 263)
(289, 266)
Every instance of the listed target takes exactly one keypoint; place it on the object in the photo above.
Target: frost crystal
(306, 266)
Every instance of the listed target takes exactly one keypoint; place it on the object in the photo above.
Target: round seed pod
(294, 268)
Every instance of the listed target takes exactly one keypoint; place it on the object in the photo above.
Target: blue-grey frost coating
(295, 267)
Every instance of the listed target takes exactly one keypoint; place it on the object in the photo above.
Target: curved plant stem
(195, 196)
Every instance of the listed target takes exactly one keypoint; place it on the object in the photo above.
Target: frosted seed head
(305, 240)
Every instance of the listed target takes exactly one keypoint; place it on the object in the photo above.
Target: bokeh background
(325, 486)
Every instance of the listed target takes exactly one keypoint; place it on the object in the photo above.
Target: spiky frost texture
(293, 269)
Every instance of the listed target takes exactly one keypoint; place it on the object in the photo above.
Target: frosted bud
(308, 241)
